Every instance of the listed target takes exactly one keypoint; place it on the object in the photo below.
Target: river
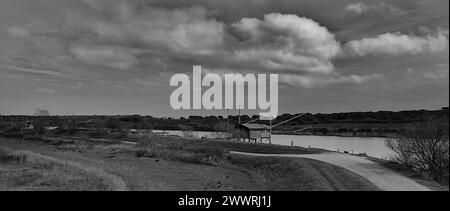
(372, 146)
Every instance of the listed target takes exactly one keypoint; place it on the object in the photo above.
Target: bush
(424, 148)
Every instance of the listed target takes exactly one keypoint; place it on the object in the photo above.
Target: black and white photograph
(226, 96)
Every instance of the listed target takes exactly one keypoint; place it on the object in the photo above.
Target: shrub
(424, 148)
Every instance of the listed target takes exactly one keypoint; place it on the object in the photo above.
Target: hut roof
(255, 126)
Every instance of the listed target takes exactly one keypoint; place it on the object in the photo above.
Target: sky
(117, 56)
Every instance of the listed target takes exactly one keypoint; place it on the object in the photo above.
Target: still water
(374, 147)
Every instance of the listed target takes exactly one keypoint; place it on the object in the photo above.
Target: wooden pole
(239, 119)
(228, 119)
(270, 130)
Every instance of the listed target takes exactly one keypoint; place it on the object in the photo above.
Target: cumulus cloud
(279, 42)
(106, 56)
(357, 8)
(398, 44)
(360, 8)
(286, 42)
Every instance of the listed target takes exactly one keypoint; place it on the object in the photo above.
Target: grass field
(25, 170)
(168, 163)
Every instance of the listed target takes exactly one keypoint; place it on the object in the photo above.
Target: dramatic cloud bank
(130, 35)
(353, 54)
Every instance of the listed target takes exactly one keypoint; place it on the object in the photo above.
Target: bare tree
(41, 112)
(424, 148)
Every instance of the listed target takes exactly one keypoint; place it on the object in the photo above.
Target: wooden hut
(256, 133)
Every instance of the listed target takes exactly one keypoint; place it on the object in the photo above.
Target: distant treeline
(378, 123)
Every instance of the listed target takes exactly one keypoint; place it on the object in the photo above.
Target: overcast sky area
(117, 56)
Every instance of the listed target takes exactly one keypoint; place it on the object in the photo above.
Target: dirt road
(380, 176)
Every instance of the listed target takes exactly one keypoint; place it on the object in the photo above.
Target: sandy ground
(380, 176)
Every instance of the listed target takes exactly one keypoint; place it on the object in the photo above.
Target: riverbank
(277, 132)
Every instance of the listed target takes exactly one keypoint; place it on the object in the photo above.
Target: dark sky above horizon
(117, 56)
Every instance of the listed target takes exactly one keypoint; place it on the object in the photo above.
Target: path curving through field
(383, 178)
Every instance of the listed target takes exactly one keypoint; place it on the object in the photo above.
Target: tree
(424, 148)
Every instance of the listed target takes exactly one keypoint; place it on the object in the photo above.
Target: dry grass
(298, 174)
(25, 170)
(178, 150)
